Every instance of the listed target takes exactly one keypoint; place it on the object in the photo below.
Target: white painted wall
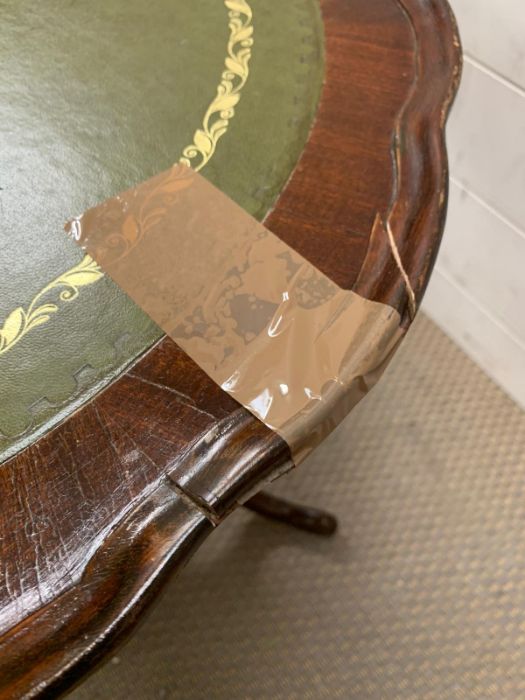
(477, 292)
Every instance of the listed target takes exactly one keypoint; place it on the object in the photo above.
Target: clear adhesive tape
(264, 323)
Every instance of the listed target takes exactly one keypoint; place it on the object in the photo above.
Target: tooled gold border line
(214, 125)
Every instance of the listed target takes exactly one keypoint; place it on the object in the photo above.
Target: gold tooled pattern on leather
(65, 287)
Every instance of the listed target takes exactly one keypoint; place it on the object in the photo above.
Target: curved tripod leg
(302, 517)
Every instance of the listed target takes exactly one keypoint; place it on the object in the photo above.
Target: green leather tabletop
(96, 96)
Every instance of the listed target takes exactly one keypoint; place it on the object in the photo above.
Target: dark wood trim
(53, 648)
(97, 512)
(418, 208)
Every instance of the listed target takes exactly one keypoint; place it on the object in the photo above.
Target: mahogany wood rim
(418, 209)
(47, 651)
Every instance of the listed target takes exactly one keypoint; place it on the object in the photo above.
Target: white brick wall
(477, 292)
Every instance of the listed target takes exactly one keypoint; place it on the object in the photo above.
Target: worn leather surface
(96, 97)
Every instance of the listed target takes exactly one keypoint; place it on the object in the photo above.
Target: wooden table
(109, 479)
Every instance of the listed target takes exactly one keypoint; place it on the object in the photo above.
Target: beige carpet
(421, 594)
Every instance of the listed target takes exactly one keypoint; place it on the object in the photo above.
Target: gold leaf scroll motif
(214, 125)
(62, 288)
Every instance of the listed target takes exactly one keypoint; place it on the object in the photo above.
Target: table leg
(302, 517)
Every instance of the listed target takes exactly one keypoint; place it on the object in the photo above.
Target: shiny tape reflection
(264, 323)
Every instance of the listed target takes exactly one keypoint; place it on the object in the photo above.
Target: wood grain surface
(96, 513)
